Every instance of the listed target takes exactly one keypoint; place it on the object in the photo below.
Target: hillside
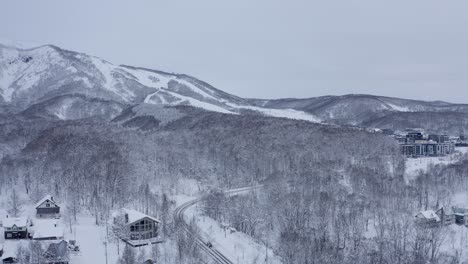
(379, 112)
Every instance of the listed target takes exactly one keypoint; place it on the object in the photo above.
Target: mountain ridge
(35, 75)
(55, 82)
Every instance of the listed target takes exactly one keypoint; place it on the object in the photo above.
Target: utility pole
(107, 239)
(105, 249)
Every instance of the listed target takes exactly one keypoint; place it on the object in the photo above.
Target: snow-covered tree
(128, 256)
(15, 204)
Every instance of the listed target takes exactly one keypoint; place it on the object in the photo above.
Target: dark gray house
(47, 208)
(16, 228)
(461, 215)
(57, 253)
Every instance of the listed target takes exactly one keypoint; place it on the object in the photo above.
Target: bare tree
(15, 204)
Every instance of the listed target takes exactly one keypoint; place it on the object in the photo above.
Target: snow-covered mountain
(53, 82)
(70, 85)
(378, 111)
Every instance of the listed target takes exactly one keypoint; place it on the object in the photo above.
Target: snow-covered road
(211, 251)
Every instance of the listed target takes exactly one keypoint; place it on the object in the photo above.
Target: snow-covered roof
(459, 211)
(47, 197)
(57, 251)
(447, 210)
(134, 216)
(47, 229)
(429, 214)
(19, 222)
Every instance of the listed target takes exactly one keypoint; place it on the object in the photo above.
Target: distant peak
(22, 45)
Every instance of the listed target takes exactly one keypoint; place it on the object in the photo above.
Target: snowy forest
(317, 133)
(330, 195)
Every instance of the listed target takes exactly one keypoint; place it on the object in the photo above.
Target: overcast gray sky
(267, 48)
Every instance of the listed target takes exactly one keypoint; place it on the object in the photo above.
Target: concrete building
(439, 138)
(426, 148)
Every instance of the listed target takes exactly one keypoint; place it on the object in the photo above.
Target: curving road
(212, 252)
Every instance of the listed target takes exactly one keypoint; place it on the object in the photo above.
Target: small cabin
(47, 208)
(461, 215)
(15, 228)
(428, 217)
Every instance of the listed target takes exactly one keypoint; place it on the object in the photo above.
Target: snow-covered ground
(415, 165)
(456, 242)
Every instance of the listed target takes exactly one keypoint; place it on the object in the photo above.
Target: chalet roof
(429, 215)
(19, 222)
(57, 251)
(47, 229)
(47, 197)
(134, 216)
(447, 210)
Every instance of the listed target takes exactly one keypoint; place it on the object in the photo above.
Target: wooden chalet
(47, 208)
(135, 227)
(428, 217)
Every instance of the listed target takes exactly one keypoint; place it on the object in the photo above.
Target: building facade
(15, 228)
(134, 225)
(439, 138)
(415, 144)
(427, 148)
(413, 136)
(47, 208)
